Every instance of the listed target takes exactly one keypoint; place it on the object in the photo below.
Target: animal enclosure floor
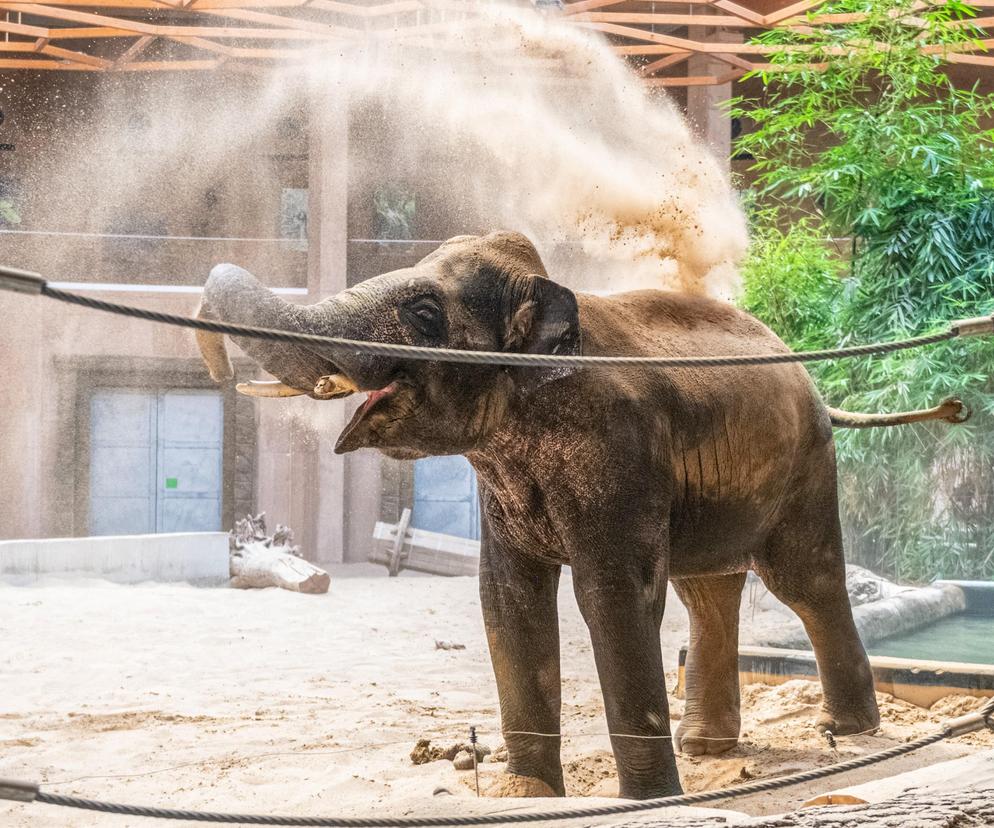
(269, 701)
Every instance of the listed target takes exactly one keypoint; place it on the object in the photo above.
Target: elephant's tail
(952, 411)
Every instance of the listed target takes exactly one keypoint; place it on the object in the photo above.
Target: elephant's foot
(698, 737)
(513, 785)
(850, 720)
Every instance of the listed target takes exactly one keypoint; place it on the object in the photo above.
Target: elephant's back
(668, 323)
(771, 413)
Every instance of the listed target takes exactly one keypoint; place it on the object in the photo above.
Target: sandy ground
(268, 701)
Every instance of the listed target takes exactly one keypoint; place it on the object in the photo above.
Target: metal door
(188, 487)
(155, 461)
(445, 497)
(122, 463)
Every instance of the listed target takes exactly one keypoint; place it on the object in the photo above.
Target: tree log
(258, 561)
(256, 566)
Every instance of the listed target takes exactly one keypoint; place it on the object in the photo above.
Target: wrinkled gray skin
(631, 477)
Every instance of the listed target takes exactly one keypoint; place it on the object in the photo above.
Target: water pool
(963, 638)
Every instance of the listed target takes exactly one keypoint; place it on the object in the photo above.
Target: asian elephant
(633, 477)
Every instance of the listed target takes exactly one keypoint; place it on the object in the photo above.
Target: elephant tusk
(267, 388)
(333, 386)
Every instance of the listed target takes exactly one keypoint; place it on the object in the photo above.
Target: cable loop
(979, 719)
(450, 355)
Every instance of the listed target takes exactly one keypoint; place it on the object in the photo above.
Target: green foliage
(8, 213)
(792, 282)
(880, 149)
(395, 211)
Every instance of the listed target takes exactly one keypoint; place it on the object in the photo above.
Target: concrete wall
(195, 557)
(62, 178)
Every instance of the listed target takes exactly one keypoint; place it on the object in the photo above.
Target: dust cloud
(546, 131)
(510, 121)
(518, 121)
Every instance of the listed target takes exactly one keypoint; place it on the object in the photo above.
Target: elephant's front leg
(623, 607)
(518, 595)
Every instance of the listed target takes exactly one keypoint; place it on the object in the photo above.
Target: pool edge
(917, 682)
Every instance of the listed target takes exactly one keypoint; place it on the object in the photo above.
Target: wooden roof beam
(279, 20)
(663, 63)
(579, 6)
(238, 51)
(135, 49)
(589, 5)
(200, 5)
(171, 65)
(804, 6)
(648, 36)
(92, 33)
(378, 10)
(121, 4)
(40, 65)
(184, 5)
(664, 19)
(739, 11)
(719, 50)
(296, 28)
(21, 29)
(19, 45)
(76, 57)
(74, 16)
(89, 33)
(973, 60)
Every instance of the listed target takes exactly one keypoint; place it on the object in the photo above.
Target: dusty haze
(524, 124)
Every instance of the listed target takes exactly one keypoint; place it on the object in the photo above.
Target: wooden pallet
(399, 546)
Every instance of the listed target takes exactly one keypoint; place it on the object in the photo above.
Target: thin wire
(303, 752)
(431, 354)
(982, 717)
(640, 736)
(148, 236)
(506, 818)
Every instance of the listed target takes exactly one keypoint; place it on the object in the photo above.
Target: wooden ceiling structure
(664, 40)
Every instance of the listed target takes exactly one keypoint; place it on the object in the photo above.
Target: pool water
(966, 638)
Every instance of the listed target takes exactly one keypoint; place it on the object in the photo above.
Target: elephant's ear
(543, 319)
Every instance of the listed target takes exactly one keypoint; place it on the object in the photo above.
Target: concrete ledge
(917, 682)
(194, 557)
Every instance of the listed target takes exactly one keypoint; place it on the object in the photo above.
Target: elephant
(632, 477)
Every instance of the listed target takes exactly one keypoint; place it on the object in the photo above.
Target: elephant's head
(487, 293)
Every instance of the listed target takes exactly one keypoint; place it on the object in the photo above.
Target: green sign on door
(172, 483)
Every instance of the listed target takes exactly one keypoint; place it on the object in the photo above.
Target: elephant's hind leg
(804, 567)
(710, 721)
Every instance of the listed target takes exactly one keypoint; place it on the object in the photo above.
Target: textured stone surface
(913, 809)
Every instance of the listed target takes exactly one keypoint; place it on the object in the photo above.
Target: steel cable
(431, 354)
(984, 717)
(32, 283)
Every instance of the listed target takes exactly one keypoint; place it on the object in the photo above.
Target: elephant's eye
(425, 315)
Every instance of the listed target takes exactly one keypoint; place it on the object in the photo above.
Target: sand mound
(221, 714)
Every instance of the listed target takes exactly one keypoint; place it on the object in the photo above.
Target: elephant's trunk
(235, 295)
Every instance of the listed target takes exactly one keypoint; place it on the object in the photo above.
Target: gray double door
(155, 461)
(446, 499)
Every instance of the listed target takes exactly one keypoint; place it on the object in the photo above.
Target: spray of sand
(517, 122)
(548, 132)
(522, 123)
